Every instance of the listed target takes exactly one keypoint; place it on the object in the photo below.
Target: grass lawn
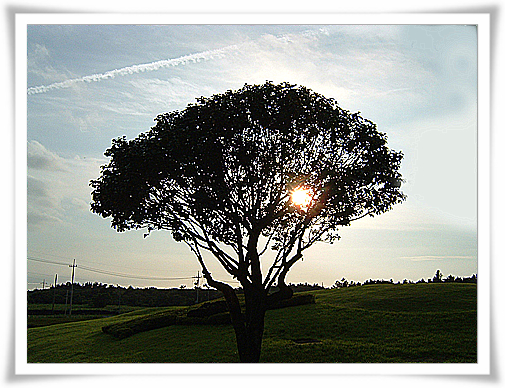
(427, 323)
(47, 318)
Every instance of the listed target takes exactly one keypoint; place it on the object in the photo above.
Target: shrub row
(208, 313)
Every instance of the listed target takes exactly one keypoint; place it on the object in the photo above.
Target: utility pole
(54, 292)
(72, 286)
(197, 284)
(44, 284)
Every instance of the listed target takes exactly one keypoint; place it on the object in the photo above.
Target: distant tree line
(301, 287)
(100, 295)
(437, 278)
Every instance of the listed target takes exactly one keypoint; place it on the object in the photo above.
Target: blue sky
(88, 84)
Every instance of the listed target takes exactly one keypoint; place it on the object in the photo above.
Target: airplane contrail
(204, 55)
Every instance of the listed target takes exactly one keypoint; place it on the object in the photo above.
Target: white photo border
(482, 367)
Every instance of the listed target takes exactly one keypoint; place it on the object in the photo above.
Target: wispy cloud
(38, 157)
(58, 187)
(435, 258)
(40, 64)
(43, 201)
(152, 66)
(268, 39)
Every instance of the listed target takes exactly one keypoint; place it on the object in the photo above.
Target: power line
(105, 272)
(48, 254)
(37, 273)
(87, 260)
(112, 273)
(118, 274)
(46, 261)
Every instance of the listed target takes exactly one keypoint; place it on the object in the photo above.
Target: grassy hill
(428, 323)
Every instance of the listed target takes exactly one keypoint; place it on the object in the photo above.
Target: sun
(301, 197)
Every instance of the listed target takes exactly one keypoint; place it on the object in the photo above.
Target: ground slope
(427, 323)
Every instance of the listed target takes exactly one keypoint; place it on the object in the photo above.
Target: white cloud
(330, 62)
(41, 159)
(58, 188)
(40, 65)
(86, 119)
(40, 193)
(43, 202)
(38, 62)
(37, 218)
(80, 204)
(154, 92)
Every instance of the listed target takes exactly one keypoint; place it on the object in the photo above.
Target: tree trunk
(254, 324)
(248, 326)
(252, 342)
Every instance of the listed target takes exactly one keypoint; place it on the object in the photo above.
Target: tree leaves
(221, 170)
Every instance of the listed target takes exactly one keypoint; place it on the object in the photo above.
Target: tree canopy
(221, 172)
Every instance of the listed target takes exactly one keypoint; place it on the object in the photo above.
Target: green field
(412, 323)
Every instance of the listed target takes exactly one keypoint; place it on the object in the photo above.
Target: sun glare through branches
(301, 197)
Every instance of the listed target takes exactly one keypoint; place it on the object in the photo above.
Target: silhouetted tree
(221, 173)
(438, 277)
(472, 279)
(342, 283)
(450, 279)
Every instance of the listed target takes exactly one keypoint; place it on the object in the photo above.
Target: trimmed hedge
(140, 324)
(208, 313)
(295, 300)
(209, 308)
